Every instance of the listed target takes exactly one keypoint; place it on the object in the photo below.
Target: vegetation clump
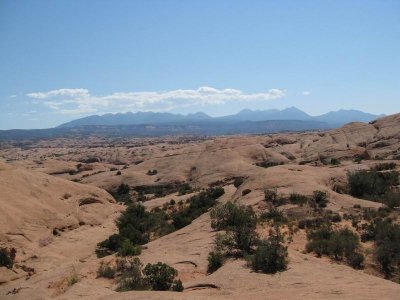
(106, 271)
(338, 244)
(7, 257)
(371, 184)
(135, 226)
(384, 166)
(268, 164)
(157, 277)
(241, 240)
(271, 255)
(198, 204)
(122, 194)
(238, 181)
(386, 235)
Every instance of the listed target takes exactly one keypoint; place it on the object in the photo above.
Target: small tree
(160, 276)
(320, 198)
(7, 257)
(271, 255)
(132, 277)
(105, 271)
(215, 261)
(128, 249)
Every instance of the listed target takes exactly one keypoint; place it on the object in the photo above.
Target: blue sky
(60, 60)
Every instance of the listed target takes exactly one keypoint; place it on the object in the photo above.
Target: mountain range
(333, 118)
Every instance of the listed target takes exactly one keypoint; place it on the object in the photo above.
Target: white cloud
(12, 96)
(61, 92)
(306, 93)
(80, 101)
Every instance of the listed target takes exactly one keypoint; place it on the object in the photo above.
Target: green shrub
(270, 195)
(238, 181)
(184, 189)
(160, 276)
(177, 286)
(105, 271)
(338, 244)
(230, 215)
(215, 261)
(127, 248)
(268, 164)
(123, 189)
(320, 199)
(136, 225)
(131, 276)
(275, 215)
(298, 199)
(240, 223)
(122, 194)
(335, 161)
(364, 183)
(271, 255)
(198, 205)
(391, 199)
(7, 257)
(384, 166)
(386, 236)
(355, 260)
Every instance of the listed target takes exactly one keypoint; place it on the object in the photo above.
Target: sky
(62, 60)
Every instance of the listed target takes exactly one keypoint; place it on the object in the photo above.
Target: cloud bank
(81, 101)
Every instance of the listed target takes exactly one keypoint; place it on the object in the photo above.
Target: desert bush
(122, 194)
(270, 195)
(177, 286)
(240, 223)
(319, 199)
(109, 245)
(298, 199)
(238, 181)
(386, 235)
(123, 189)
(363, 183)
(118, 173)
(271, 255)
(215, 261)
(268, 164)
(384, 166)
(131, 276)
(135, 225)
(127, 248)
(160, 190)
(355, 260)
(335, 161)
(198, 205)
(312, 223)
(275, 215)
(7, 257)
(184, 189)
(391, 199)
(73, 278)
(160, 276)
(338, 244)
(230, 215)
(106, 271)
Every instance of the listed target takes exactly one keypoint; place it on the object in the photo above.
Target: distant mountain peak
(335, 118)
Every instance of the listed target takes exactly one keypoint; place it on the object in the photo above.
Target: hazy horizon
(63, 60)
